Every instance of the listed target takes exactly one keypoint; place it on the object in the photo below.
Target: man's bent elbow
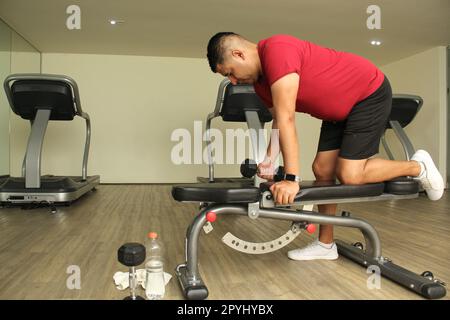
(285, 120)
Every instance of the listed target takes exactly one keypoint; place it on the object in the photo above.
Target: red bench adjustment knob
(211, 216)
(311, 228)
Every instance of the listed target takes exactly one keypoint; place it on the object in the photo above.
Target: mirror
(5, 69)
(16, 56)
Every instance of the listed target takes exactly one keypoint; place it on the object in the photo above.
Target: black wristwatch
(291, 177)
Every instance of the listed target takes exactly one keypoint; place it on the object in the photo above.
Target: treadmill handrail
(42, 76)
(407, 145)
(409, 96)
(219, 103)
(87, 145)
(405, 142)
(220, 96)
(77, 106)
(418, 100)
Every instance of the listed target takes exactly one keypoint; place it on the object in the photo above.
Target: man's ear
(238, 54)
(219, 68)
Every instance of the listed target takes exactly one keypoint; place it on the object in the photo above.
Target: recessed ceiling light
(375, 42)
(115, 21)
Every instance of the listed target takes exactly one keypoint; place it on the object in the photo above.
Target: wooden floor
(37, 247)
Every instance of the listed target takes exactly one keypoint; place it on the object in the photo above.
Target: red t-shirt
(331, 82)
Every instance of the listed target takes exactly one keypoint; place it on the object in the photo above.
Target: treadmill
(236, 103)
(404, 109)
(40, 98)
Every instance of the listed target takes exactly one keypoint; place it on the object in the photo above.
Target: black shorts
(358, 137)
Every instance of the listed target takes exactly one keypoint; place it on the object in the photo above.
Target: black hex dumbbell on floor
(131, 255)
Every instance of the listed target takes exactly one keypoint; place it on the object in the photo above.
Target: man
(349, 93)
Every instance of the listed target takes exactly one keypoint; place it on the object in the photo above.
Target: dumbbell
(279, 175)
(131, 255)
(249, 168)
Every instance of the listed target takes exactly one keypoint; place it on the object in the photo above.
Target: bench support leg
(188, 273)
(410, 280)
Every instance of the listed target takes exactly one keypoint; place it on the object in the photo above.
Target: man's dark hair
(216, 49)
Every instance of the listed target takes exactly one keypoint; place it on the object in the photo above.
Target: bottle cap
(152, 235)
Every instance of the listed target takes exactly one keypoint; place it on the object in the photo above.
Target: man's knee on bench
(323, 171)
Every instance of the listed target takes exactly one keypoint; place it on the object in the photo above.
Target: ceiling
(181, 28)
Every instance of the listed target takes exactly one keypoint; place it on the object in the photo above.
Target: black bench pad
(401, 185)
(216, 192)
(309, 190)
(320, 190)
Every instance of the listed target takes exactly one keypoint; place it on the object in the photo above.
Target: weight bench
(256, 202)
(249, 195)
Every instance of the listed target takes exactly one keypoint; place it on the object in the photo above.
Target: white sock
(326, 245)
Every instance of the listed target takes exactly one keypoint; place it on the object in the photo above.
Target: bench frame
(371, 257)
(188, 272)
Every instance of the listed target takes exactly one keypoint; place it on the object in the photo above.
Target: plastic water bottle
(154, 267)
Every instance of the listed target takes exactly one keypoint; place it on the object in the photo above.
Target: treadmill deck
(54, 189)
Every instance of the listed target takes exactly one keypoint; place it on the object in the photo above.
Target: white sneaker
(315, 251)
(431, 180)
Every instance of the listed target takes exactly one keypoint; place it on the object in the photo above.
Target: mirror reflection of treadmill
(237, 103)
(404, 109)
(41, 98)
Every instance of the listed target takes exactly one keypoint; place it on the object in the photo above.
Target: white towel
(122, 282)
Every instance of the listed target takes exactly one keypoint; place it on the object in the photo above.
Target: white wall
(423, 74)
(135, 104)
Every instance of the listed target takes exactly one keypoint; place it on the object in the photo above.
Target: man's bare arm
(273, 148)
(284, 95)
